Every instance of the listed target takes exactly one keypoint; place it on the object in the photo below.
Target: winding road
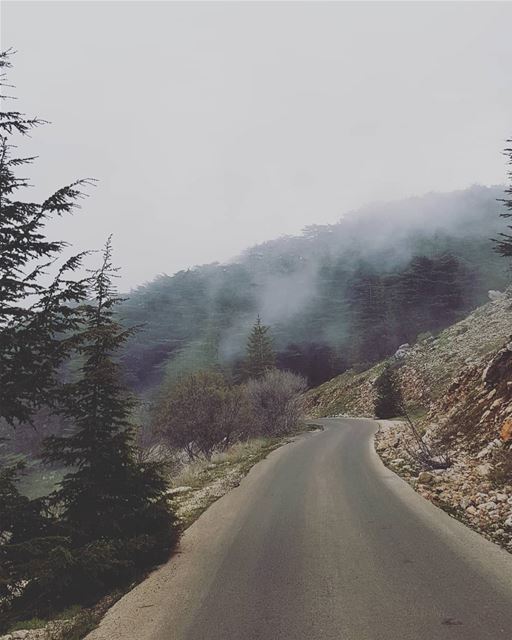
(322, 542)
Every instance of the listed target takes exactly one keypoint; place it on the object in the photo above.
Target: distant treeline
(338, 296)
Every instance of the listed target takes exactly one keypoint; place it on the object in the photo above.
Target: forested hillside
(334, 297)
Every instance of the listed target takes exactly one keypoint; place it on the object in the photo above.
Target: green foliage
(198, 355)
(111, 507)
(201, 413)
(27, 542)
(37, 321)
(33, 623)
(388, 401)
(35, 318)
(260, 355)
(340, 294)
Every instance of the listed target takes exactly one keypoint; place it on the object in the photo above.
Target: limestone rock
(483, 470)
(425, 477)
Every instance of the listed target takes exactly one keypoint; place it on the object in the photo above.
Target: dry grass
(202, 482)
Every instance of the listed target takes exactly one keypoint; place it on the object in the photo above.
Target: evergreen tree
(504, 242)
(260, 355)
(112, 507)
(36, 320)
(37, 324)
(367, 316)
(388, 400)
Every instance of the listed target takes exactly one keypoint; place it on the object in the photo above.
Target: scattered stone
(175, 491)
(402, 351)
(425, 477)
(465, 502)
(483, 470)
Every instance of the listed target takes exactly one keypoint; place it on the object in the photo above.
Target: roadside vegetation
(109, 510)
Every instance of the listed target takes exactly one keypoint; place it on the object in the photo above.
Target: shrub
(201, 413)
(276, 402)
(388, 401)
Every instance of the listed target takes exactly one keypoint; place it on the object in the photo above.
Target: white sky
(213, 126)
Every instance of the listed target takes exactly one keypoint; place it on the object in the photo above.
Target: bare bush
(201, 414)
(276, 402)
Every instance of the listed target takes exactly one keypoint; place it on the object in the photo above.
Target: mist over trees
(337, 296)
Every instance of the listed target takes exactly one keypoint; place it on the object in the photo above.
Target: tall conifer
(504, 242)
(112, 507)
(260, 354)
(38, 319)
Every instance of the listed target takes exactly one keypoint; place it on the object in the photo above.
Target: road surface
(322, 542)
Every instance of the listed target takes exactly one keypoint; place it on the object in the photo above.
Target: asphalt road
(322, 542)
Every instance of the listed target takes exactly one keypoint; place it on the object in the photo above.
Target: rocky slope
(458, 389)
(428, 368)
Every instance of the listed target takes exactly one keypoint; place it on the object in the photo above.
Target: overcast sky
(213, 126)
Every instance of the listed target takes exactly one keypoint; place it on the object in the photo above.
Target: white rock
(495, 295)
(465, 502)
(484, 452)
(483, 470)
(177, 490)
(425, 477)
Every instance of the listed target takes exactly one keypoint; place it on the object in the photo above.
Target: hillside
(336, 296)
(428, 367)
(457, 387)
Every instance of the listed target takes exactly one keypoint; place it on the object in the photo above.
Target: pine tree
(260, 355)
(504, 242)
(37, 322)
(388, 400)
(367, 312)
(112, 507)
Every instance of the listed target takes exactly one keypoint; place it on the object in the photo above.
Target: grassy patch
(75, 611)
(33, 623)
(83, 624)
